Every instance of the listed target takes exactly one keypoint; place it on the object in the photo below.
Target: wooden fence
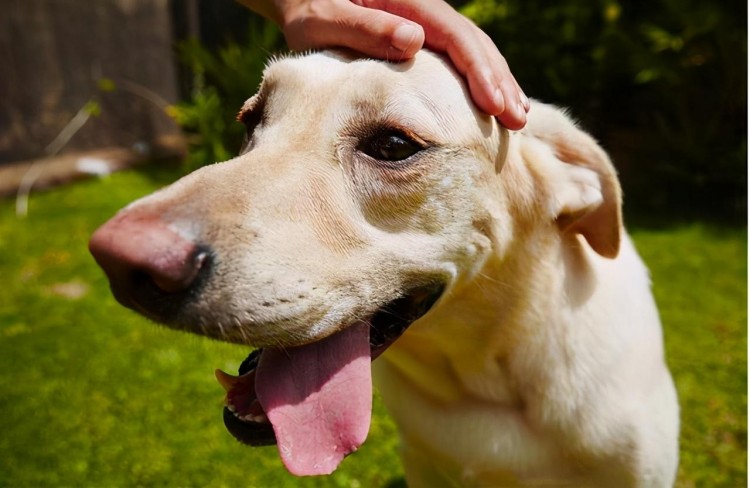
(79, 75)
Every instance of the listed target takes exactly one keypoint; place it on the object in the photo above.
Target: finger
(475, 56)
(515, 101)
(343, 24)
(503, 84)
(492, 86)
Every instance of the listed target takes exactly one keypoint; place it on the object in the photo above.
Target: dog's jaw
(259, 402)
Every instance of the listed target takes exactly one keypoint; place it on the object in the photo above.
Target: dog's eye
(390, 146)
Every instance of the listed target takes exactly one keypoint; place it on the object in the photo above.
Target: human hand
(395, 30)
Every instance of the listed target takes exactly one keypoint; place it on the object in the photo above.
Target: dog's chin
(243, 416)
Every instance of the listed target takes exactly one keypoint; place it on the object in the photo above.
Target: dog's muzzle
(313, 396)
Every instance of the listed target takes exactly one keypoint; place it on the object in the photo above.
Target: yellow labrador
(375, 213)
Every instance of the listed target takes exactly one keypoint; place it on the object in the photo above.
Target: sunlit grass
(700, 285)
(94, 395)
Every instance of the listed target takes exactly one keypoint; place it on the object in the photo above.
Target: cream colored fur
(541, 365)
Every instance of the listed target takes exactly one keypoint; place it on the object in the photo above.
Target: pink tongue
(318, 398)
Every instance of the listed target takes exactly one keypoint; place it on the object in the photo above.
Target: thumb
(369, 31)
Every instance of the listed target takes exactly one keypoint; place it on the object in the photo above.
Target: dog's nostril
(181, 274)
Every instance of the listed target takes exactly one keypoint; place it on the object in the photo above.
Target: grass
(94, 395)
(699, 276)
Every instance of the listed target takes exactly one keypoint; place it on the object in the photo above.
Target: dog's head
(364, 191)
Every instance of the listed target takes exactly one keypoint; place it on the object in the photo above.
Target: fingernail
(498, 100)
(525, 103)
(521, 112)
(404, 36)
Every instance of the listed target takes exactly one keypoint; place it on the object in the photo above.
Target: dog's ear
(584, 190)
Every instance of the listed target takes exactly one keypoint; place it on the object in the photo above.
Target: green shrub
(662, 83)
(222, 81)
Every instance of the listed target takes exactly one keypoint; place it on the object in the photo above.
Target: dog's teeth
(257, 418)
(255, 413)
(226, 380)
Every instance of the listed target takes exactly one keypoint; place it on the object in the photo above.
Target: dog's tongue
(318, 398)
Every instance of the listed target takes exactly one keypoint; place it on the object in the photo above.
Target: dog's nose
(142, 255)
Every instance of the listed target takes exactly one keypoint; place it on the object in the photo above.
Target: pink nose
(143, 257)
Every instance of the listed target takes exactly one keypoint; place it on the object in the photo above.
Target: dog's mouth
(314, 400)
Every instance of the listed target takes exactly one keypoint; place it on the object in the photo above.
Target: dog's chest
(464, 422)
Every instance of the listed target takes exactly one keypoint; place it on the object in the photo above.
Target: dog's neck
(479, 334)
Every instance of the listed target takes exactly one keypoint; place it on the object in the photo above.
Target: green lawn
(94, 395)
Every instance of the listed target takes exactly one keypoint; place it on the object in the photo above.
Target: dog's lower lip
(251, 433)
(245, 428)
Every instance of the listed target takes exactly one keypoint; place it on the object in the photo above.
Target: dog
(375, 213)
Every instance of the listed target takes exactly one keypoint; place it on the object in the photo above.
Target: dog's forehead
(425, 84)
(331, 66)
